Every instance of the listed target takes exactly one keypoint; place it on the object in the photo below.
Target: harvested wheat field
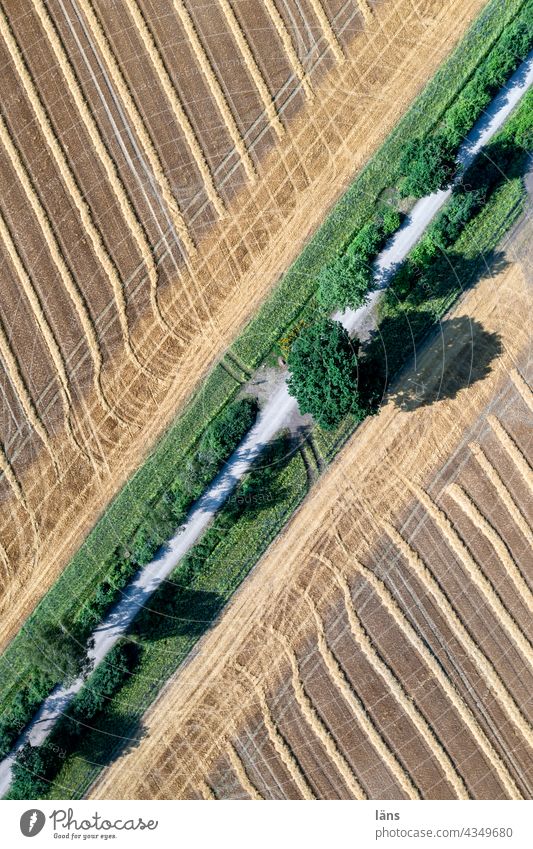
(161, 167)
(382, 649)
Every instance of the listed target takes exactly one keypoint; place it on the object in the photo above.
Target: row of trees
(54, 651)
(36, 766)
(324, 373)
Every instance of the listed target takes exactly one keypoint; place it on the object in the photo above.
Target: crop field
(155, 159)
(382, 648)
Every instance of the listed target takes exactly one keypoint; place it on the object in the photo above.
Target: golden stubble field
(383, 646)
(160, 170)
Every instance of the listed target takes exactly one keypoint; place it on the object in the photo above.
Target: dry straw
(497, 543)
(477, 577)
(39, 315)
(503, 493)
(215, 88)
(513, 450)
(108, 164)
(283, 750)
(318, 727)
(71, 184)
(240, 772)
(58, 258)
(175, 102)
(285, 39)
(366, 11)
(206, 790)
(19, 384)
(479, 659)
(119, 82)
(327, 29)
(400, 775)
(396, 688)
(522, 387)
(252, 66)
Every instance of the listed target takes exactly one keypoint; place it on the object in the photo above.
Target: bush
(323, 372)
(286, 341)
(344, 284)
(101, 685)
(226, 431)
(55, 652)
(511, 48)
(22, 708)
(428, 164)
(31, 772)
(35, 766)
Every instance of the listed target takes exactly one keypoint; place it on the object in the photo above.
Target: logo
(32, 822)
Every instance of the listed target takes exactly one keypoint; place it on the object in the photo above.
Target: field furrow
(58, 259)
(70, 181)
(503, 493)
(237, 766)
(175, 102)
(327, 29)
(359, 712)
(215, 88)
(100, 39)
(105, 159)
(285, 753)
(15, 375)
(35, 303)
(512, 450)
(318, 727)
(523, 388)
(476, 575)
(457, 627)
(288, 46)
(498, 545)
(252, 66)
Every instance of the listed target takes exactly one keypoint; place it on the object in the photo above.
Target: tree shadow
(467, 348)
(177, 611)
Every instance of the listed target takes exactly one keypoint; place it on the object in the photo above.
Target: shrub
(35, 766)
(428, 164)
(286, 341)
(31, 772)
(55, 652)
(226, 431)
(511, 48)
(344, 284)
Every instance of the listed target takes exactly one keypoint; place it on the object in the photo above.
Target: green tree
(30, 772)
(345, 283)
(55, 652)
(323, 373)
(428, 164)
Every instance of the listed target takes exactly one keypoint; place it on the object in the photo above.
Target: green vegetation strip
(177, 616)
(142, 514)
